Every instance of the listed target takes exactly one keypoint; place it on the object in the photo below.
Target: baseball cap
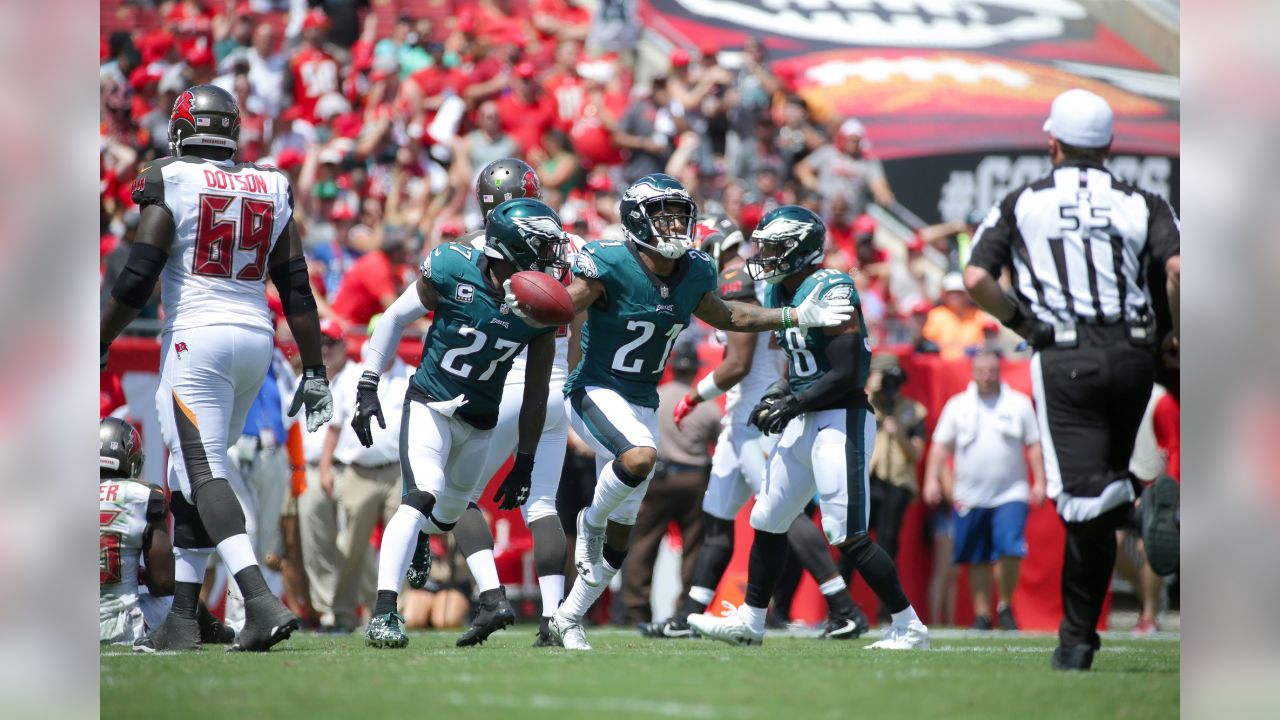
(525, 69)
(315, 19)
(953, 282)
(679, 58)
(864, 226)
(341, 211)
(1080, 118)
(852, 127)
(330, 329)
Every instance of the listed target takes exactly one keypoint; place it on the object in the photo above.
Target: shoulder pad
(736, 284)
(148, 186)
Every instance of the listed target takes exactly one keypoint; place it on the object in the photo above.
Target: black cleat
(175, 634)
(419, 571)
(859, 617)
(1160, 525)
(1076, 657)
(492, 614)
(669, 628)
(267, 622)
(544, 638)
(1005, 619)
(212, 631)
(842, 629)
(981, 622)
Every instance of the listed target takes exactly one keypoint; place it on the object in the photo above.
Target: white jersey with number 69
(228, 216)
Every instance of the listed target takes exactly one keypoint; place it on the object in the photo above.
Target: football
(542, 297)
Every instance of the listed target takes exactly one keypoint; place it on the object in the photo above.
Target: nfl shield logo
(664, 292)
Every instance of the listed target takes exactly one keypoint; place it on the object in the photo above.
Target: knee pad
(188, 530)
(627, 477)
(538, 508)
(419, 500)
(760, 520)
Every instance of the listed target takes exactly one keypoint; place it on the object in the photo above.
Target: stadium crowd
(382, 120)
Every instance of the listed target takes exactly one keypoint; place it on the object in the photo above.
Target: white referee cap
(1080, 118)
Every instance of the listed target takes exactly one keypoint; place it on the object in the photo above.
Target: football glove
(514, 490)
(775, 417)
(762, 408)
(367, 406)
(509, 299)
(683, 408)
(814, 312)
(313, 392)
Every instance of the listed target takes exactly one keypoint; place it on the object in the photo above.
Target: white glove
(822, 313)
(509, 299)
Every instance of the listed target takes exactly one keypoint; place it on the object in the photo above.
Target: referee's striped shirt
(1079, 241)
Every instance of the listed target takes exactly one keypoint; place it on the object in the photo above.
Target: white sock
(483, 570)
(701, 594)
(552, 587)
(753, 617)
(834, 585)
(236, 553)
(189, 564)
(398, 541)
(905, 618)
(610, 493)
(582, 596)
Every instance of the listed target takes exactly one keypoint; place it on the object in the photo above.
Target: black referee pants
(1090, 400)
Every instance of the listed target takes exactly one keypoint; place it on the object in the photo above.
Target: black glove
(1038, 333)
(514, 490)
(762, 409)
(367, 406)
(777, 415)
(313, 392)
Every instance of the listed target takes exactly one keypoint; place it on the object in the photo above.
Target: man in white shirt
(986, 428)
(367, 482)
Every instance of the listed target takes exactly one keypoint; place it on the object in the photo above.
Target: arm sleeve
(992, 247)
(157, 511)
(394, 320)
(1164, 232)
(843, 352)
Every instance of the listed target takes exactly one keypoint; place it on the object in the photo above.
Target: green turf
(627, 676)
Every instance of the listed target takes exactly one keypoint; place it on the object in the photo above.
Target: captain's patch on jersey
(839, 292)
(465, 293)
(586, 267)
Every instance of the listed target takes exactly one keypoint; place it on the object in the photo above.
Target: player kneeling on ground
(454, 398)
(827, 433)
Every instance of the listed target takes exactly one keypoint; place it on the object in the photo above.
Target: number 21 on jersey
(630, 357)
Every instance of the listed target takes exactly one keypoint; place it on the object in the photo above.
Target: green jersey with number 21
(807, 349)
(473, 338)
(629, 335)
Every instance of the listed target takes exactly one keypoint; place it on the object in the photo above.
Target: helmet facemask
(670, 222)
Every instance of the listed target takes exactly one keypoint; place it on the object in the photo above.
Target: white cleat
(588, 551)
(568, 632)
(913, 637)
(730, 627)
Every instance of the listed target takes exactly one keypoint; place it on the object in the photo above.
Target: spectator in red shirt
(313, 73)
(527, 112)
(563, 84)
(374, 281)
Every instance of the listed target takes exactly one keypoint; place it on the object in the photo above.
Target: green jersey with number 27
(629, 335)
(807, 349)
(473, 338)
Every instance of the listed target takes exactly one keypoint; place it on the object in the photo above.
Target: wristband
(315, 371)
(786, 318)
(707, 388)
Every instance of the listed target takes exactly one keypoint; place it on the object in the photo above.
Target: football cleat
(1160, 525)
(544, 638)
(267, 622)
(913, 637)
(729, 628)
(175, 634)
(386, 631)
(588, 551)
(840, 629)
(669, 628)
(568, 632)
(492, 614)
(419, 571)
(211, 630)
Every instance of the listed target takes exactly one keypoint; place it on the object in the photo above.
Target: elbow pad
(294, 285)
(138, 279)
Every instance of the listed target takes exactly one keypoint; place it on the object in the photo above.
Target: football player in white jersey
(133, 529)
(499, 181)
(752, 362)
(212, 230)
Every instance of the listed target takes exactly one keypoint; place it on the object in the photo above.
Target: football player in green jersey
(639, 295)
(827, 433)
(453, 399)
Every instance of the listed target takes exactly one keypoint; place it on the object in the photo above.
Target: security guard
(1079, 242)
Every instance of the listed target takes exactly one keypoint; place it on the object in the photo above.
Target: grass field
(627, 676)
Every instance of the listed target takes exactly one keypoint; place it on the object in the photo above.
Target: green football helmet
(658, 213)
(787, 239)
(503, 180)
(204, 115)
(528, 234)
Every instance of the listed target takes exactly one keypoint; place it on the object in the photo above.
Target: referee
(1079, 243)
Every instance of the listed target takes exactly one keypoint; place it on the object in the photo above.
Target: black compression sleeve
(294, 285)
(138, 279)
(843, 352)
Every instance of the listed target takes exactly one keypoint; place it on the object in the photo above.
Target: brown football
(542, 297)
